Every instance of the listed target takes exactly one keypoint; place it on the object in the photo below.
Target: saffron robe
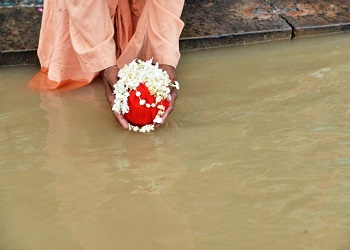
(78, 39)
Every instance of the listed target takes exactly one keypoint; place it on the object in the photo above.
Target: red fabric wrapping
(140, 115)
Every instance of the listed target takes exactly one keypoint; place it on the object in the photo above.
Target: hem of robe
(41, 81)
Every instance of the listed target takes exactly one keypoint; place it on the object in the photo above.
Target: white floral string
(156, 80)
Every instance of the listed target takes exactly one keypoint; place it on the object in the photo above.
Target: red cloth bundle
(140, 115)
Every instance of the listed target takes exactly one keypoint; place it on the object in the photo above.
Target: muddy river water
(256, 155)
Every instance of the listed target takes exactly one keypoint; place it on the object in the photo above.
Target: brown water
(256, 155)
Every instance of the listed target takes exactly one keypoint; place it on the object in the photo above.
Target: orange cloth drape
(79, 38)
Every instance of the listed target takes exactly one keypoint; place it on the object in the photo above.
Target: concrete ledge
(232, 39)
(208, 23)
(322, 30)
(18, 58)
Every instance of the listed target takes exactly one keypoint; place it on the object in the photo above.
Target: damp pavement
(208, 23)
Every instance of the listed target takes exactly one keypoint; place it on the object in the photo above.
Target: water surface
(256, 155)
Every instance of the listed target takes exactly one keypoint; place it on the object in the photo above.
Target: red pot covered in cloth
(140, 115)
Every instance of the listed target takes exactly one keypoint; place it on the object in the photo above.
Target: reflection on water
(256, 155)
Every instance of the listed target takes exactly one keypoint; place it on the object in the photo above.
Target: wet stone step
(314, 17)
(220, 23)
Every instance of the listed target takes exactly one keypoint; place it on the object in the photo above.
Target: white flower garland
(156, 80)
